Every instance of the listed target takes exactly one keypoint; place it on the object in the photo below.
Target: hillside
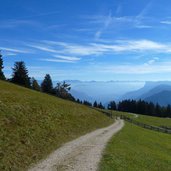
(136, 148)
(154, 121)
(103, 91)
(149, 89)
(33, 124)
(163, 98)
(157, 89)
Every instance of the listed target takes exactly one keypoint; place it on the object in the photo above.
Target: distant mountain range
(156, 92)
(101, 91)
(163, 98)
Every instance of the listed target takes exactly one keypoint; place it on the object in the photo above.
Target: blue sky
(88, 40)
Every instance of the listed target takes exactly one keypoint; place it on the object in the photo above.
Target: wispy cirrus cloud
(57, 60)
(97, 49)
(42, 47)
(69, 58)
(151, 68)
(107, 22)
(168, 22)
(12, 50)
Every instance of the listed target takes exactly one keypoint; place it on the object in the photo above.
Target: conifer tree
(112, 105)
(34, 84)
(2, 76)
(47, 85)
(95, 104)
(20, 74)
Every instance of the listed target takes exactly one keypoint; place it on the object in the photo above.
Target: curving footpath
(82, 154)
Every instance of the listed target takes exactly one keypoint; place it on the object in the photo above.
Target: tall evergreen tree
(2, 76)
(20, 74)
(112, 105)
(34, 84)
(100, 106)
(47, 85)
(95, 104)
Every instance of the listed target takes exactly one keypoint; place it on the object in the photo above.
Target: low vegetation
(136, 148)
(150, 120)
(32, 124)
(154, 121)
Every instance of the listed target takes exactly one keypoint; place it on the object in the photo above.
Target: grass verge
(135, 148)
(150, 120)
(155, 121)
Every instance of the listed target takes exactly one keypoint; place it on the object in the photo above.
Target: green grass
(150, 120)
(33, 124)
(118, 113)
(137, 149)
(155, 121)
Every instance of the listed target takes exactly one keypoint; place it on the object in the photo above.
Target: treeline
(95, 104)
(20, 76)
(144, 108)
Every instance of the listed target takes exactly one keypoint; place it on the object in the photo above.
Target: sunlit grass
(150, 120)
(137, 149)
(156, 121)
(33, 124)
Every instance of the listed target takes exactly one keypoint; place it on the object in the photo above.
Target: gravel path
(82, 154)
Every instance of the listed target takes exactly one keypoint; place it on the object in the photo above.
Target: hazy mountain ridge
(163, 98)
(156, 92)
(103, 91)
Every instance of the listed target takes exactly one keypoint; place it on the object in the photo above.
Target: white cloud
(57, 60)
(106, 24)
(69, 58)
(136, 69)
(143, 26)
(74, 52)
(168, 22)
(152, 61)
(7, 50)
(120, 46)
(42, 47)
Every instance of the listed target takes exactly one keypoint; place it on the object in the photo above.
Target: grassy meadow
(150, 120)
(33, 124)
(155, 121)
(137, 149)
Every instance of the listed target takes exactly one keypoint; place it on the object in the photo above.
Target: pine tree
(47, 85)
(20, 74)
(112, 105)
(2, 76)
(100, 106)
(95, 104)
(34, 84)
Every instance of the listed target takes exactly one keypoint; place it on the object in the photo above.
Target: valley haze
(106, 91)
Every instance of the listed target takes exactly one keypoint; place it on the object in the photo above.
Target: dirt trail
(82, 154)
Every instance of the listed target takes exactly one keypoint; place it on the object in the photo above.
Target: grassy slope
(135, 148)
(156, 121)
(33, 124)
